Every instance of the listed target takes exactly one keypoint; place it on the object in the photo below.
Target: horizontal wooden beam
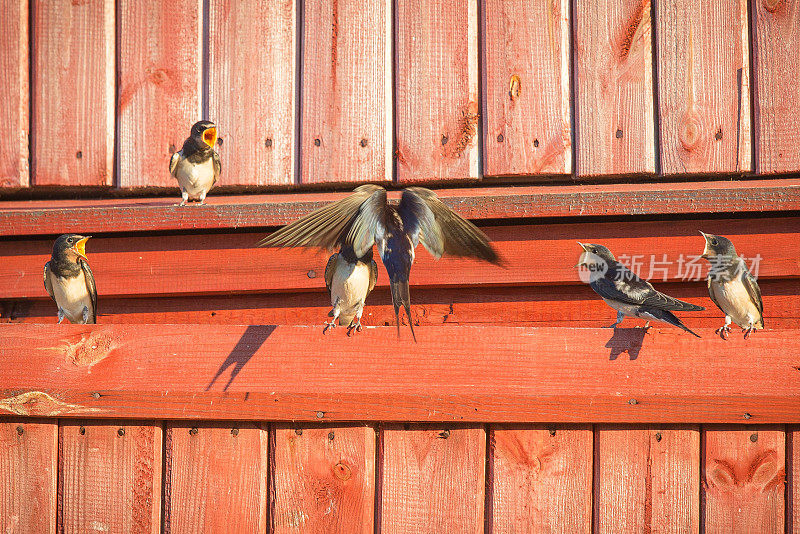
(477, 374)
(48, 217)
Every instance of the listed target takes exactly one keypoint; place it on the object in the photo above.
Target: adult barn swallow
(69, 280)
(732, 288)
(366, 218)
(349, 279)
(621, 289)
(196, 166)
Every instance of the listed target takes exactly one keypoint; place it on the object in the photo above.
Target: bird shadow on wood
(628, 340)
(248, 345)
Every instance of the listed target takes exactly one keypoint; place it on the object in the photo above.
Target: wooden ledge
(45, 217)
(470, 374)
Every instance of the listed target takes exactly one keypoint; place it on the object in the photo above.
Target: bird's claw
(747, 331)
(354, 327)
(331, 325)
(723, 331)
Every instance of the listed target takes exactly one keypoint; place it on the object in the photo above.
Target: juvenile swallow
(366, 218)
(69, 280)
(621, 289)
(349, 279)
(196, 166)
(732, 288)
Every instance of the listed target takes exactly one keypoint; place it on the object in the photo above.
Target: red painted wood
(14, 93)
(218, 477)
(111, 480)
(744, 479)
(793, 470)
(251, 89)
(433, 479)
(324, 479)
(436, 88)
(541, 479)
(72, 137)
(28, 463)
(614, 87)
(347, 124)
(527, 92)
(297, 373)
(159, 86)
(704, 86)
(149, 214)
(776, 58)
(647, 480)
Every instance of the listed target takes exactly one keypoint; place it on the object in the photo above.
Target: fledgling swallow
(732, 288)
(366, 218)
(349, 279)
(196, 166)
(69, 280)
(621, 289)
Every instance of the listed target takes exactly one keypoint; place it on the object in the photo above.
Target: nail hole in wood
(317, 142)
(121, 432)
(193, 431)
(500, 138)
(331, 435)
(363, 142)
(536, 143)
(268, 142)
(618, 135)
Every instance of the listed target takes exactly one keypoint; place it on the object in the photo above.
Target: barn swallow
(196, 166)
(349, 279)
(627, 293)
(366, 218)
(69, 280)
(732, 288)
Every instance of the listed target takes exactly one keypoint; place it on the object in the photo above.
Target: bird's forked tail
(400, 296)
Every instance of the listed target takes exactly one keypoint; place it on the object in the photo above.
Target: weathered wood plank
(39, 217)
(347, 123)
(744, 479)
(704, 86)
(218, 477)
(14, 93)
(433, 479)
(159, 86)
(527, 93)
(28, 471)
(324, 479)
(648, 480)
(251, 93)
(776, 57)
(793, 488)
(111, 476)
(72, 137)
(297, 373)
(541, 479)
(437, 103)
(614, 88)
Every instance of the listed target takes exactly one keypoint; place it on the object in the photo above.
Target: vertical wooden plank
(541, 479)
(614, 87)
(73, 92)
(346, 132)
(324, 479)
(744, 484)
(14, 93)
(527, 93)
(433, 479)
(159, 86)
(252, 56)
(647, 480)
(218, 477)
(28, 471)
(437, 90)
(776, 53)
(704, 86)
(111, 476)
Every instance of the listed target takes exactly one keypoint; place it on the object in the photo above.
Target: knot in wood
(691, 131)
(342, 471)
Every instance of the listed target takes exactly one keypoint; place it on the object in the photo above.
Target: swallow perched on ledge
(350, 280)
(366, 218)
(69, 280)
(732, 288)
(196, 166)
(621, 289)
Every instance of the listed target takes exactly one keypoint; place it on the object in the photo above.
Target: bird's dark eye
(594, 250)
(714, 242)
(70, 240)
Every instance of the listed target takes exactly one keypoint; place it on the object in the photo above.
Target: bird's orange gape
(80, 248)
(210, 137)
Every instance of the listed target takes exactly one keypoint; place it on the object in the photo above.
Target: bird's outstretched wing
(441, 230)
(90, 287)
(47, 285)
(330, 267)
(173, 162)
(622, 285)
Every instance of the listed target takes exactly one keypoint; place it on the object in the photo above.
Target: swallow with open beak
(366, 218)
(196, 166)
(69, 280)
(732, 288)
(349, 280)
(621, 289)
